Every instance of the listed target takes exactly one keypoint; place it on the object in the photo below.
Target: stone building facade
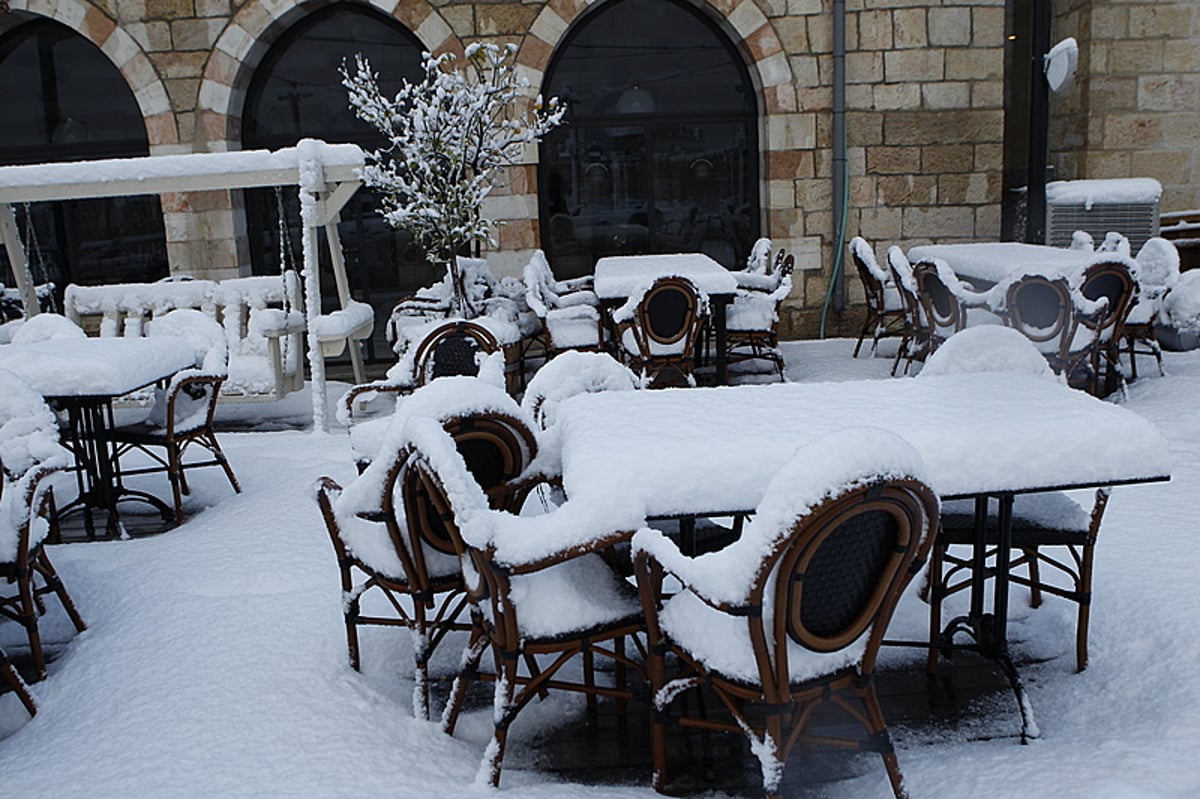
(925, 103)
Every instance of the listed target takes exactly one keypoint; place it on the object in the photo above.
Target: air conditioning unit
(1128, 206)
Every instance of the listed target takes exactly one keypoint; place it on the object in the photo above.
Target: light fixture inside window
(636, 100)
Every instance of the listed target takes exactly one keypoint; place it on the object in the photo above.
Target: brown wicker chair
(752, 320)
(916, 330)
(190, 402)
(26, 568)
(452, 348)
(406, 553)
(1039, 522)
(804, 631)
(1113, 281)
(659, 329)
(885, 305)
(515, 609)
(1043, 309)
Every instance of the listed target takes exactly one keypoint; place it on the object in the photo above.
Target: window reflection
(61, 99)
(659, 153)
(297, 93)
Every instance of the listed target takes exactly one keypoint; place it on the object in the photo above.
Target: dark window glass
(659, 151)
(296, 93)
(61, 99)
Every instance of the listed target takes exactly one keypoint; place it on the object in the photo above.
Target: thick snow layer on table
(993, 261)
(215, 659)
(620, 276)
(96, 367)
(679, 450)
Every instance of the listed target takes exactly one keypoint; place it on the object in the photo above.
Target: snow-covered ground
(215, 661)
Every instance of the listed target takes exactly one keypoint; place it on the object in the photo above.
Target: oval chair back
(452, 349)
(1041, 309)
(1113, 281)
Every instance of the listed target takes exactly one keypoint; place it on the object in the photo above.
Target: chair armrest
(653, 547)
(368, 390)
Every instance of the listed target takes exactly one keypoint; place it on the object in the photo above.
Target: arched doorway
(61, 99)
(659, 152)
(296, 92)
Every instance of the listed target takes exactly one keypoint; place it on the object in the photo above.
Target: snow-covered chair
(914, 335)
(390, 541)
(537, 588)
(791, 616)
(29, 456)
(182, 416)
(451, 348)
(1113, 279)
(1054, 521)
(569, 310)
(658, 329)
(752, 319)
(885, 306)
(1053, 318)
(569, 374)
(1158, 273)
(987, 348)
(946, 301)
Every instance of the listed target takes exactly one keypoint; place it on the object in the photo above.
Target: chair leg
(1035, 581)
(28, 611)
(879, 731)
(935, 607)
(43, 566)
(467, 671)
(219, 454)
(505, 710)
(175, 476)
(421, 651)
(9, 675)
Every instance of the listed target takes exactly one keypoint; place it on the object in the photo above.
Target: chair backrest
(906, 284)
(939, 303)
(1041, 308)
(1113, 281)
(759, 260)
(841, 570)
(572, 373)
(202, 331)
(47, 326)
(454, 348)
(873, 278)
(497, 448)
(666, 320)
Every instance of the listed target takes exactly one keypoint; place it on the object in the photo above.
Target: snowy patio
(215, 660)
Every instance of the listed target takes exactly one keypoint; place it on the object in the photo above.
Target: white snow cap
(987, 348)
(45, 327)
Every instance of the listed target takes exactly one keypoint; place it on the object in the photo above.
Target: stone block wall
(1135, 108)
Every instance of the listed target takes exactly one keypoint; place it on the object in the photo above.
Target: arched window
(296, 93)
(61, 99)
(659, 152)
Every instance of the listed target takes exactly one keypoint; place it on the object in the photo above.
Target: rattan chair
(453, 348)
(885, 306)
(27, 503)
(569, 310)
(569, 374)
(403, 554)
(946, 302)
(752, 319)
(658, 330)
(791, 617)
(1044, 310)
(1113, 280)
(1158, 272)
(518, 573)
(1041, 522)
(916, 331)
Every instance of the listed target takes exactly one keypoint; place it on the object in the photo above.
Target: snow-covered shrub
(450, 135)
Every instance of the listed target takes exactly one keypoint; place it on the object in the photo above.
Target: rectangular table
(990, 262)
(619, 276)
(84, 376)
(710, 452)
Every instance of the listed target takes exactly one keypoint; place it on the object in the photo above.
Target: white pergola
(325, 174)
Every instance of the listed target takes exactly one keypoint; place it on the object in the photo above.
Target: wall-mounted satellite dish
(1060, 63)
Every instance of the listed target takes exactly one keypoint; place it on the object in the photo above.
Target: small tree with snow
(449, 135)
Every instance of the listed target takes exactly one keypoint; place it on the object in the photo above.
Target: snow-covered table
(619, 276)
(83, 376)
(991, 262)
(711, 452)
